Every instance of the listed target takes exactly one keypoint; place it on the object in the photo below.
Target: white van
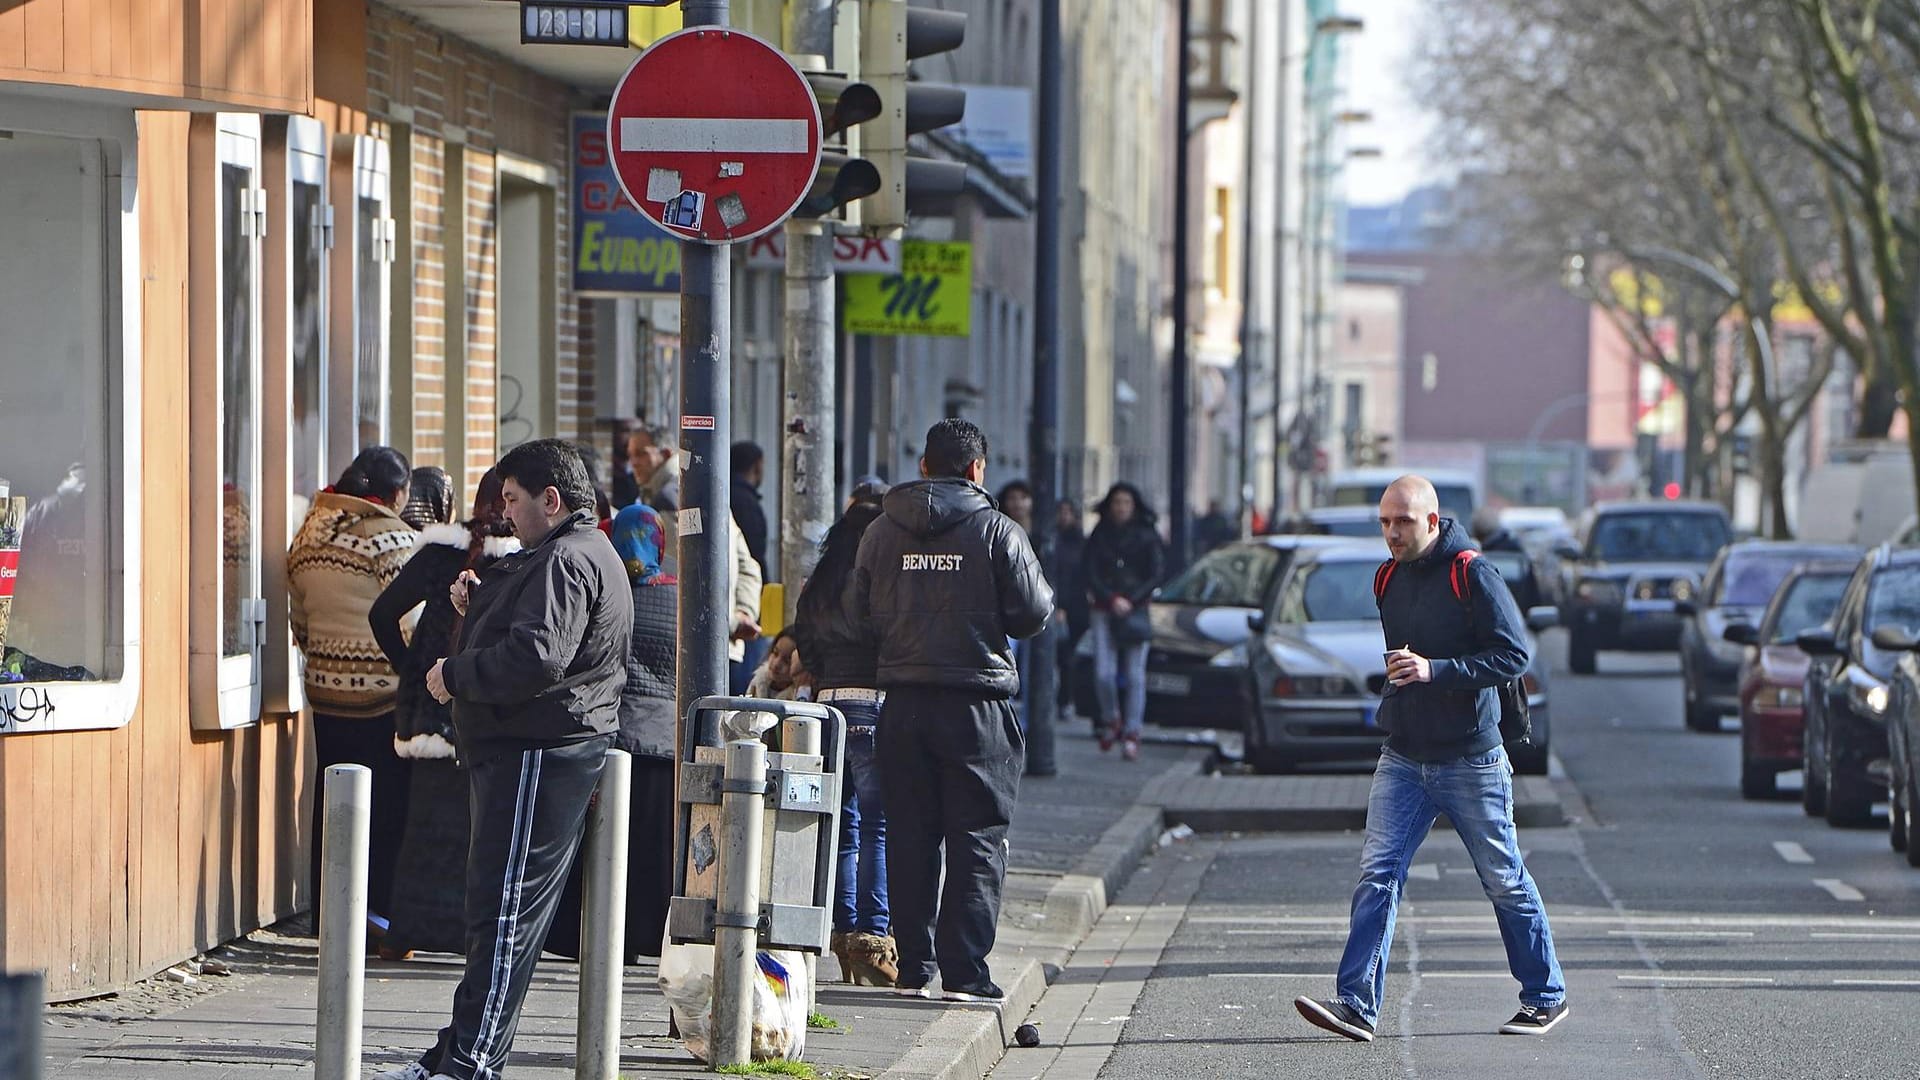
(1862, 495)
(1459, 490)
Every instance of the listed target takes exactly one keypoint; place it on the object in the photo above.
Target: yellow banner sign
(931, 295)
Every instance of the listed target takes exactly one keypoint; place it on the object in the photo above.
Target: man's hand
(1122, 606)
(462, 590)
(1408, 666)
(437, 682)
(744, 628)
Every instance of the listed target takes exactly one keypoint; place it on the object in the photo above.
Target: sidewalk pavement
(1075, 839)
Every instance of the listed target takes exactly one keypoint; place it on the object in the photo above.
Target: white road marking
(1819, 936)
(1425, 871)
(1465, 975)
(1270, 975)
(691, 135)
(1628, 920)
(1291, 931)
(1682, 933)
(1753, 979)
(1838, 889)
(1792, 852)
(1876, 982)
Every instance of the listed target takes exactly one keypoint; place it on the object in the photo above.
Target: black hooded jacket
(944, 580)
(1473, 649)
(1123, 560)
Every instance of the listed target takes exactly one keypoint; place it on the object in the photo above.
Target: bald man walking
(1455, 636)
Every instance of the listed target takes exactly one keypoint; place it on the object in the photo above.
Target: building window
(227, 221)
(309, 224)
(359, 390)
(69, 407)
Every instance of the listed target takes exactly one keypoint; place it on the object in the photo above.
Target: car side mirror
(1570, 552)
(1686, 607)
(1818, 641)
(1894, 639)
(1741, 633)
(1543, 618)
(1257, 621)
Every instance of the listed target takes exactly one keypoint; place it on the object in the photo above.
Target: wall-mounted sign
(851, 254)
(932, 294)
(617, 250)
(584, 22)
(999, 124)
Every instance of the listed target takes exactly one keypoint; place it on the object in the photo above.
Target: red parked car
(1773, 675)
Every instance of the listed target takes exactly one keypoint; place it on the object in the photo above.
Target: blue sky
(1377, 67)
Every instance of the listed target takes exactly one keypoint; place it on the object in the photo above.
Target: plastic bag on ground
(780, 997)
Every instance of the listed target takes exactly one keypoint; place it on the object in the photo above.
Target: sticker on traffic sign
(714, 134)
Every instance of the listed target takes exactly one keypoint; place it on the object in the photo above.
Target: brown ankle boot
(840, 940)
(873, 961)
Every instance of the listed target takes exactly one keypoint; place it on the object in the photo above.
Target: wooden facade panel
(45, 36)
(13, 36)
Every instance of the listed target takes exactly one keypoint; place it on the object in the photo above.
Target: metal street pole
(1180, 373)
(603, 922)
(345, 824)
(1043, 441)
(807, 466)
(736, 917)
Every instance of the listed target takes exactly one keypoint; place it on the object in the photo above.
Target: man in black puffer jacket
(1454, 636)
(945, 579)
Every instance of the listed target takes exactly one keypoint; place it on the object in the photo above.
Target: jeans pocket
(1491, 759)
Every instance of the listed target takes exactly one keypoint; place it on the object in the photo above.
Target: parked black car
(1847, 696)
(1637, 560)
(1903, 742)
(1737, 587)
(1197, 661)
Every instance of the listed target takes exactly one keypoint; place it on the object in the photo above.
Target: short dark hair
(953, 445)
(550, 463)
(379, 473)
(745, 455)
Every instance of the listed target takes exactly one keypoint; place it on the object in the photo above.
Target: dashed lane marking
(1792, 852)
(1682, 933)
(1876, 982)
(1821, 936)
(1754, 980)
(1839, 890)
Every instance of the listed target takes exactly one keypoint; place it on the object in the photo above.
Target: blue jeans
(860, 903)
(1111, 660)
(1476, 794)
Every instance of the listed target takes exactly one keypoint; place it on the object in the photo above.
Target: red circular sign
(714, 134)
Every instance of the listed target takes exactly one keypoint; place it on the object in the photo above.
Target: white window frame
(225, 690)
(362, 168)
(27, 708)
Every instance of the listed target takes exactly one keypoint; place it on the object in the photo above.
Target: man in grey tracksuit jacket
(535, 682)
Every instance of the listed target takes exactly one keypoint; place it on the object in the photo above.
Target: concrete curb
(969, 1040)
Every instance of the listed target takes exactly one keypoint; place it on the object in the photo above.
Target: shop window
(227, 219)
(69, 415)
(360, 390)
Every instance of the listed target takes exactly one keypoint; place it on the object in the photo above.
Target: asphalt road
(1702, 935)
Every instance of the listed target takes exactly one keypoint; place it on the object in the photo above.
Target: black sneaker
(1534, 1019)
(986, 994)
(1336, 1016)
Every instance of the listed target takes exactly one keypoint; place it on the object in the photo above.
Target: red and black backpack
(1516, 714)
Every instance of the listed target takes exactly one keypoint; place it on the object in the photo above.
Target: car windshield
(1330, 592)
(1511, 564)
(1234, 576)
(1657, 537)
(1456, 500)
(1894, 599)
(1810, 601)
(1364, 528)
(1750, 580)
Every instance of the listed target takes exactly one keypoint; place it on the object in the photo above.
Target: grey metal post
(736, 919)
(345, 823)
(1043, 436)
(807, 420)
(801, 735)
(23, 999)
(603, 922)
(1181, 372)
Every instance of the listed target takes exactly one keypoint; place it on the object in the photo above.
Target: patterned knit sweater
(347, 551)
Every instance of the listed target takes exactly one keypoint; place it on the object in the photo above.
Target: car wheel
(1897, 811)
(1849, 799)
(1913, 822)
(1702, 718)
(1813, 785)
(1757, 782)
(1580, 654)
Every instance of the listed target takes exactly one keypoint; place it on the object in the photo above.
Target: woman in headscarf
(647, 722)
(429, 498)
(429, 892)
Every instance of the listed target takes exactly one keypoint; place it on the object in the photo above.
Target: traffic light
(892, 34)
(844, 176)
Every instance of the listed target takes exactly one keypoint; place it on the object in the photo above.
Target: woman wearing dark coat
(1122, 566)
(647, 723)
(429, 895)
(1063, 572)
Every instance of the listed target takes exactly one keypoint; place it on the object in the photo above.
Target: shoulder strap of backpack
(1460, 579)
(1380, 579)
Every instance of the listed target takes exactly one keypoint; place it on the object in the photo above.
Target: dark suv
(1847, 696)
(1737, 588)
(1637, 561)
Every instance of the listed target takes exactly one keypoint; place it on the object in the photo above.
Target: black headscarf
(429, 498)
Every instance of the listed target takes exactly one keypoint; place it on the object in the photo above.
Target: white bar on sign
(698, 135)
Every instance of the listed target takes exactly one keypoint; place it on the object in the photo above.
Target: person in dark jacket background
(1064, 573)
(647, 722)
(944, 580)
(1443, 755)
(429, 893)
(536, 679)
(1123, 563)
(841, 654)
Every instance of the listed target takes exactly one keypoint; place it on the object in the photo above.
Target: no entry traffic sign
(715, 134)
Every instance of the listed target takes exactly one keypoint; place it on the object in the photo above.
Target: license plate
(1169, 685)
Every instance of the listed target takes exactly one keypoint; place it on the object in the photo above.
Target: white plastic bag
(780, 997)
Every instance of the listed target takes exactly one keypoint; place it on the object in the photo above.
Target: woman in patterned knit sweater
(350, 547)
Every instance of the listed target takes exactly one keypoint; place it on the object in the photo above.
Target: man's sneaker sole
(1511, 1028)
(1317, 1015)
(913, 992)
(977, 999)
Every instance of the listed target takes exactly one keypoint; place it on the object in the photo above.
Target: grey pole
(345, 823)
(22, 1001)
(603, 922)
(1181, 372)
(807, 465)
(736, 920)
(1043, 444)
(801, 735)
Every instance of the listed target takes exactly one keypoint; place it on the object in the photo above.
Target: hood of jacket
(1452, 541)
(931, 507)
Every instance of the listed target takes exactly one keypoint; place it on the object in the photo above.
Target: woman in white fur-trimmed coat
(429, 887)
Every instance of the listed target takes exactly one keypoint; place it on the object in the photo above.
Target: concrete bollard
(603, 922)
(345, 824)
(736, 920)
(801, 735)
(23, 999)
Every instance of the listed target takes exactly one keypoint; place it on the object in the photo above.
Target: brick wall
(437, 89)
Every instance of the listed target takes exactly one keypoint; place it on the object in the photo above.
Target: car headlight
(1876, 698)
(1597, 590)
(1235, 656)
(1314, 686)
(1779, 697)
